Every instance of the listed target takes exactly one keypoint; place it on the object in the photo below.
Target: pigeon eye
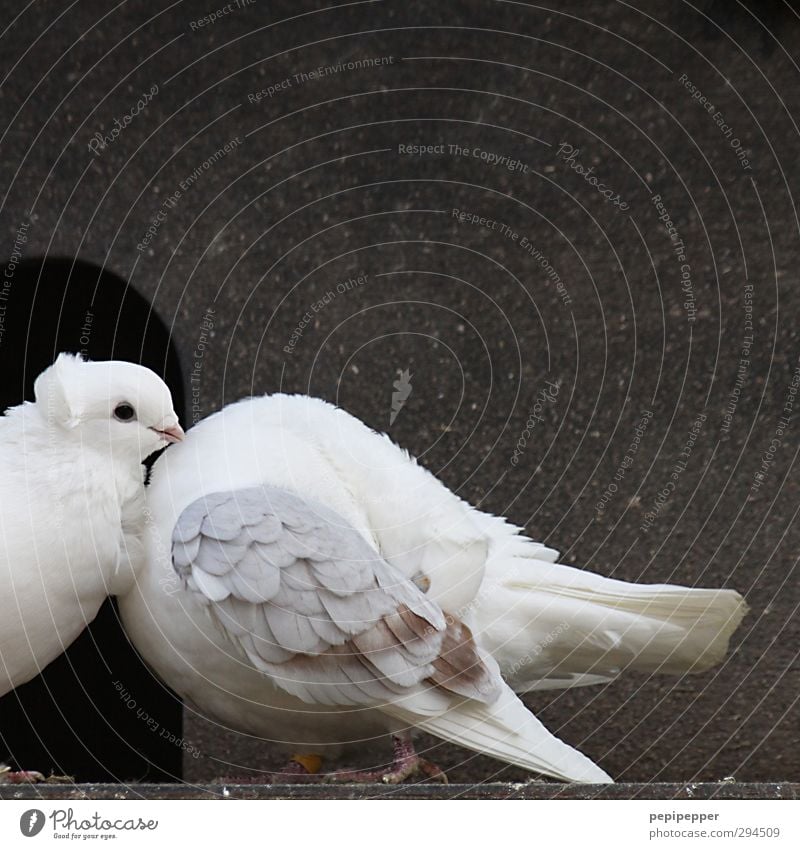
(124, 413)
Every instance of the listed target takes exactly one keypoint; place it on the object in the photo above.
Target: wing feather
(311, 604)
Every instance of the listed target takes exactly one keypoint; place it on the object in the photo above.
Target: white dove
(308, 582)
(72, 488)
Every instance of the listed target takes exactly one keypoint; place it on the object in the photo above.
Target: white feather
(551, 626)
(508, 731)
(73, 496)
(545, 624)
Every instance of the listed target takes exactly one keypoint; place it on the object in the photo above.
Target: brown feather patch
(459, 668)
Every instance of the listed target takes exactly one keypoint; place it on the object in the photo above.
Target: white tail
(508, 731)
(551, 626)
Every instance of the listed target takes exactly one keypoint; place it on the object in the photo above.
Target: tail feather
(552, 626)
(508, 731)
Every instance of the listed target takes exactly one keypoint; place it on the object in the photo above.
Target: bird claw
(432, 772)
(60, 779)
(406, 764)
(396, 774)
(7, 776)
(420, 768)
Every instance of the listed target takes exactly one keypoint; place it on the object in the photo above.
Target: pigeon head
(111, 403)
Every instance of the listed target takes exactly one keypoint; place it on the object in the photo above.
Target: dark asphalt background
(317, 191)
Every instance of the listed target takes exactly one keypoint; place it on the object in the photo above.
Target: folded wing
(312, 605)
(310, 602)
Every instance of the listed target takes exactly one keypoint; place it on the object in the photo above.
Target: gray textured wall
(315, 190)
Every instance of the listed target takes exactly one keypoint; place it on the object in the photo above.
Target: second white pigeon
(309, 583)
(72, 488)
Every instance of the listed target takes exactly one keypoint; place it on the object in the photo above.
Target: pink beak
(171, 434)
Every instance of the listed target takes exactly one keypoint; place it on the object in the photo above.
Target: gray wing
(313, 604)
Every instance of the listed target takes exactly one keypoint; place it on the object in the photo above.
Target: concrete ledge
(530, 790)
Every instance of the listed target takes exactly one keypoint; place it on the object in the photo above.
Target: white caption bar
(386, 824)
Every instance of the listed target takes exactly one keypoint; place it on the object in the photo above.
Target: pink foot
(20, 777)
(299, 770)
(406, 764)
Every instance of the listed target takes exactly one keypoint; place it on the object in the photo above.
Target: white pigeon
(72, 489)
(307, 582)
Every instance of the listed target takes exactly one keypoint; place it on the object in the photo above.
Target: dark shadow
(754, 25)
(71, 719)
